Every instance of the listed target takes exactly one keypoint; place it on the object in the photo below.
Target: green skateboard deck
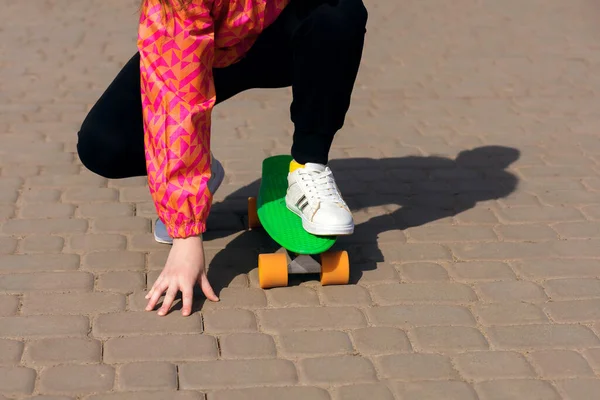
(277, 220)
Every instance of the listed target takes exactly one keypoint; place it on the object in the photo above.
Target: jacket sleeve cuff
(187, 229)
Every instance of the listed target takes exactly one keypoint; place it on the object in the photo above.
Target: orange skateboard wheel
(272, 270)
(253, 221)
(335, 268)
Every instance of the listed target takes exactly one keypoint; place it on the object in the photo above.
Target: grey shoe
(217, 176)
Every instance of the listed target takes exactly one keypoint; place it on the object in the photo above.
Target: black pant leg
(327, 49)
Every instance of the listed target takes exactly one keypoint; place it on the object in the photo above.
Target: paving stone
(17, 380)
(362, 391)
(20, 263)
(559, 364)
(288, 393)
(572, 288)
(522, 232)
(7, 244)
(482, 271)
(77, 379)
(423, 272)
(247, 345)
(229, 320)
(149, 395)
(541, 336)
(381, 340)
(502, 250)
(509, 314)
(45, 281)
(104, 210)
(236, 374)
(581, 248)
(451, 233)
(38, 195)
(516, 389)
(121, 281)
(238, 298)
(42, 244)
(574, 310)
(58, 351)
(160, 348)
(315, 343)
(414, 367)
(558, 268)
(419, 315)
(72, 303)
(577, 230)
(44, 325)
(580, 389)
(55, 226)
(449, 338)
(134, 194)
(97, 242)
(351, 295)
(132, 323)
(148, 376)
(339, 369)
(294, 296)
(8, 305)
(59, 181)
(422, 292)
(90, 195)
(477, 216)
(591, 212)
(483, 365)
(432, 390)
(367, 274)
(10, 351)
(122, 225)
(413, 252)
(310, 318)
(50, 210)
(7, 211)
(511, 291)
(144, 242)
(114, 260)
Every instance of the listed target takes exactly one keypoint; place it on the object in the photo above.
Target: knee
(96, 155)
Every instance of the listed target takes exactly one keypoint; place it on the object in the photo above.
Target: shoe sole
(219, 175)
(320, 230)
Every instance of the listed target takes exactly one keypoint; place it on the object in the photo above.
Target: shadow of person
(384, 194)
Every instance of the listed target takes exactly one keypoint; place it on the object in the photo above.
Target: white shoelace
(321, 185)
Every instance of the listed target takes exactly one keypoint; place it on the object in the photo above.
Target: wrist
(189, 239)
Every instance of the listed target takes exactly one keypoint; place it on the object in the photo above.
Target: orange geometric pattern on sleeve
(178, 50)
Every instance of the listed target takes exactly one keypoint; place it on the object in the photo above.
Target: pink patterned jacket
(178, 50)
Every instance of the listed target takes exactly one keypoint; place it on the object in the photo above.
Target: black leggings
(315, 46)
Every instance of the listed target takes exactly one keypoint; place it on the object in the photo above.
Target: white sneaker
(314, 196)
(216, 178)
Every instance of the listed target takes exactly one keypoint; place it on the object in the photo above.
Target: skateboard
(302, 250)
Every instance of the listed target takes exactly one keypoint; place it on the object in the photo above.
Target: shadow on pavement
(406, 192)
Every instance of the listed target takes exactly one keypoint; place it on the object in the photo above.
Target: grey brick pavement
(471, 157)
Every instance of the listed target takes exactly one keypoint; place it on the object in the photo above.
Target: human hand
(183, 269)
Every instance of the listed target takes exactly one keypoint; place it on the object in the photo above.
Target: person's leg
(111, 138)
(327, 48)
